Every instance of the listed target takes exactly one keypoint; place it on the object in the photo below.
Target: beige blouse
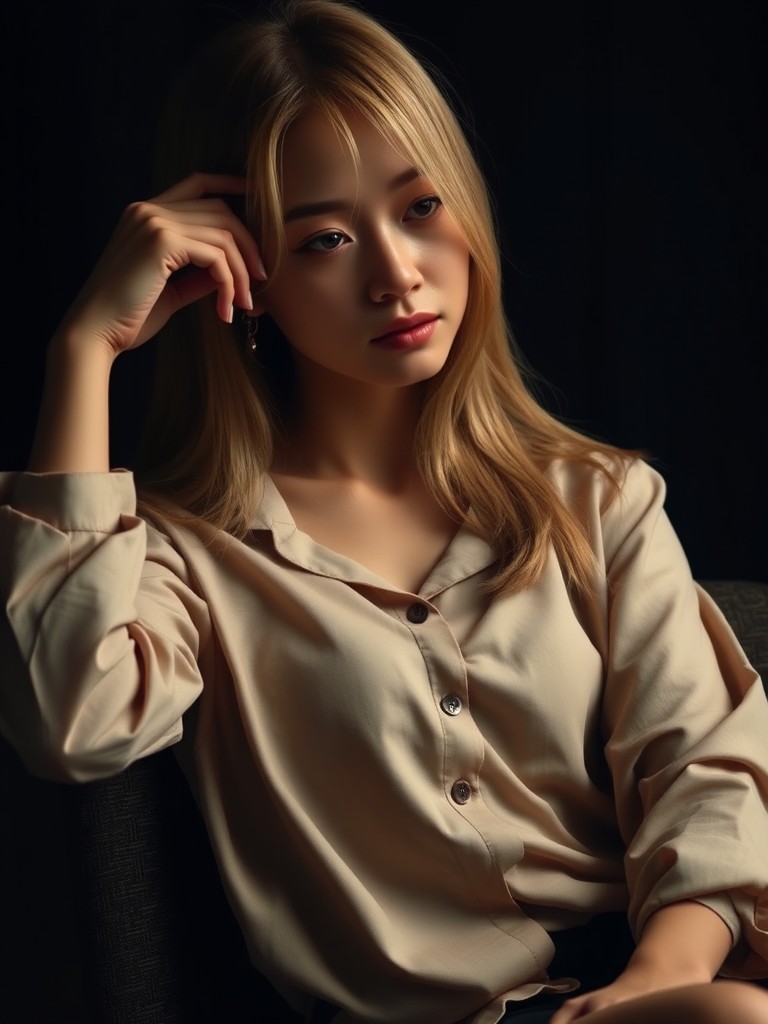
(403, 791)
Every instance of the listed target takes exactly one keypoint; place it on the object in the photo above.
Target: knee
(739, 1002)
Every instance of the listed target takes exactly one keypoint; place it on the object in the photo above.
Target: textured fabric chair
(159, 943)
(745, 604)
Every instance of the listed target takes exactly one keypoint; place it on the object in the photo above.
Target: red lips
(404, 324)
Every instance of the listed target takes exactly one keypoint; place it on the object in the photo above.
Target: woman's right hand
(135, 287)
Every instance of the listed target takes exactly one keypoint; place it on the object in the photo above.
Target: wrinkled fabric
(404, 792)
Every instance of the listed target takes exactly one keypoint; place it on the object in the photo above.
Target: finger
(211, 258)
(210, 214)
(199, 184)
(192, 286)
(176, 244)
(223, 240)
(569, 1011)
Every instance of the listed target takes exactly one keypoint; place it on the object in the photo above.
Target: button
(417, 613)
(461, 791)
(451, 704)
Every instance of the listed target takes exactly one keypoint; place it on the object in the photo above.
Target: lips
(404, 326)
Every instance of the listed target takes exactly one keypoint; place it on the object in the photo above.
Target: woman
(455, 713)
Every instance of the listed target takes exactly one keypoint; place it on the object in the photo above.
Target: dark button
(451, 704)
(461, 791)
(417, 613)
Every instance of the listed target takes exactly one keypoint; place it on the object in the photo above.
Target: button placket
(451, 704)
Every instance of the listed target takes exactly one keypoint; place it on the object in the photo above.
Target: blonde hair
(483, 442)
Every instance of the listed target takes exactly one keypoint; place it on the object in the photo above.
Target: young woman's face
(374, 283)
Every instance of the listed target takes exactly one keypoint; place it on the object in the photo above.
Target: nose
(393, 267)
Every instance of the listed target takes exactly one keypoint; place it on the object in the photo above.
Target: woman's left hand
(632, 983)
(682, 943)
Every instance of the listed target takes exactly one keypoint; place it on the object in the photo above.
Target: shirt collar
(465, 555)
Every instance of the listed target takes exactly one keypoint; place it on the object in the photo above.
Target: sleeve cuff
(722, 905)
(72, 502)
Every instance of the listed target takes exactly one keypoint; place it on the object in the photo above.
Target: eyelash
(315, 244)
(434, 201)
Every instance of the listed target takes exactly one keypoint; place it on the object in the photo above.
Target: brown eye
(327, 242)
(425, 207)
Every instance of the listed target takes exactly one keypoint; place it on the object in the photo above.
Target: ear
(257, 290)
(258, 305)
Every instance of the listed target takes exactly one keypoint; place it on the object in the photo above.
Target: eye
(424, 207)
(327, 242)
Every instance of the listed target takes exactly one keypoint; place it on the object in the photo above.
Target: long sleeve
(429, 767)
(686, 721)
(100, 642)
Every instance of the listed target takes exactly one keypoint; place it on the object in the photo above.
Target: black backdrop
(626, 145)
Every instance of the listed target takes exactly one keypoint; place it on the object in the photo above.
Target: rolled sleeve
(685, 717)
(100, 639)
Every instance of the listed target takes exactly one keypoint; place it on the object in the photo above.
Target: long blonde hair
(483, 442)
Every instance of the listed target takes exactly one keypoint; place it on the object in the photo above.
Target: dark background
(627, 146)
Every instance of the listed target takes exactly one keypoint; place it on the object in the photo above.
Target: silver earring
(251, 333)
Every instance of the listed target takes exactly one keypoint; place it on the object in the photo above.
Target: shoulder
(613, 498)
(605, 483)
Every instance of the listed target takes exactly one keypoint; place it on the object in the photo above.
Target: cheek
(303, 304)
(456, 270)
(318, 282)
(452, 253)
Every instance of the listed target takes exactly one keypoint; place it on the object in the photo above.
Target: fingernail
(249, 301)
(231, 314)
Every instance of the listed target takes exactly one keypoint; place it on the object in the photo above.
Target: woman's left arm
(682, 944)
(685, 718)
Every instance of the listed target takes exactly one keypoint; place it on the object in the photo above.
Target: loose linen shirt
(404, 791)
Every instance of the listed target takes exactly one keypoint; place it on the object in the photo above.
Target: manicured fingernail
(231, 314)
(249, 301)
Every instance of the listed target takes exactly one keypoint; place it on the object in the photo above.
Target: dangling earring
(251, 333)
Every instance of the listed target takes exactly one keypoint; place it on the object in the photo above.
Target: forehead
(317, 160)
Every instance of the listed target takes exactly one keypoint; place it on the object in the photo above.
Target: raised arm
(132, 292)
(102, 628)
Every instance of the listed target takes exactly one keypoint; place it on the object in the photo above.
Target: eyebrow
(343, 205)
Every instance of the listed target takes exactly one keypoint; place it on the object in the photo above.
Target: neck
(346, 430)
